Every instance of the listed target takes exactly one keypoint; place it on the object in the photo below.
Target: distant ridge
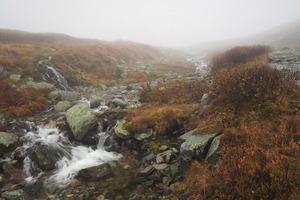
(11, 36)
(287, 35)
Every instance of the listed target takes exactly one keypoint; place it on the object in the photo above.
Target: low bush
(162, 119)
(237, 55)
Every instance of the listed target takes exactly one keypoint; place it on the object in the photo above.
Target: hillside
(286, 35)
(83, 61)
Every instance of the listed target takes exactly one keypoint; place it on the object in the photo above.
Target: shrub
(175, 92)
(237, 55)
(161, 119)
(252, 84)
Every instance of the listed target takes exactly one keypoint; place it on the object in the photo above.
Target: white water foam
(75, 159)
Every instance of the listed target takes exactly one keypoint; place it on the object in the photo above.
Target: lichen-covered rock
(15, 77)
(95, 102)
(121, 132)
(195, 146)
(80, 119)
(213, 152)
(142, 136)
(61, 95)
(119, 102)
(7, 141)
(40, 85)
(15, 195)
(62, 106)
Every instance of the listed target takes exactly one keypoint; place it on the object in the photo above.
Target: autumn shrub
(162, 119)
(237, 55)
(175, 92)
(252, 84)
(260, 160)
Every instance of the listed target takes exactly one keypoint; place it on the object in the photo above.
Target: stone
(160, 166)
(213, 152)
(95, 102)
(15, 77)
(195, 146)
(121, 132)
(146, 171)
(163, 148)
(61, 95)
(15, 195)
(204, 102)
(80, 119)
(40, 85)
(96, 173)
(8, 141)
(142, 136)
(187, 135)
(19, 154)
(119, 102)
(165, 157)
(45, 157)
(62, 106)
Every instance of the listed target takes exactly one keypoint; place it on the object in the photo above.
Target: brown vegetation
(256, 107)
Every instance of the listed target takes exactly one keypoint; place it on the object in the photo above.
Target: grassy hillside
(81, 61)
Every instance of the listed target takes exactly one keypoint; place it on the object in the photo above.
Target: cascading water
(73, 160)
(49, 73)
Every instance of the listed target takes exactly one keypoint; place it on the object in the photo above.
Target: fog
(155, 22)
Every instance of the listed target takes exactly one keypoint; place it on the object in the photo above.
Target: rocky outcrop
(80, 119)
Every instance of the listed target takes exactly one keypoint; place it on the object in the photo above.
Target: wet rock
(95, 102)
(62, 106)
(121, 132)
(80, 119)
(15, 195)
(90, 139)
(149, 158)
(15, 77)
(195, 146)
(119, 102)
(40, 85)
(96, 173)
(213, 152)
(15, 175)
(45, 157)
(19, 154)
(8, 141)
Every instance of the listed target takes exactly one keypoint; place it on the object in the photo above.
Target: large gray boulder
(7, 141)
(81, 119)
(195, 146)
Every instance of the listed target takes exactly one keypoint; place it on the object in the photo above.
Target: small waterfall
(73, 160)
(49, 73)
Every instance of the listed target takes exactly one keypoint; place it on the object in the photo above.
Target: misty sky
(155, 22)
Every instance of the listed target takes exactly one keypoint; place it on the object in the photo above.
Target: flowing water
(74, 157)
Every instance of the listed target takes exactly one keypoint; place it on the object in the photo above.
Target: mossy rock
(121, 132)
(80, 119)
(62, 106)
(8, 140)
(15, 195)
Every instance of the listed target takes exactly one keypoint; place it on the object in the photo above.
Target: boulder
(95, 173)
(142, 136)
(119, 102)
(213, 152)
(95, 102)
(7, 141)
(15, 195)
(40, 85)
(121, 132)
(80, 119)
(62, 106)
(164, 157)
(195, 146)
(45, 157)
(61, 95)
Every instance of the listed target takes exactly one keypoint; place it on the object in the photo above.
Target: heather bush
(237, 55)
